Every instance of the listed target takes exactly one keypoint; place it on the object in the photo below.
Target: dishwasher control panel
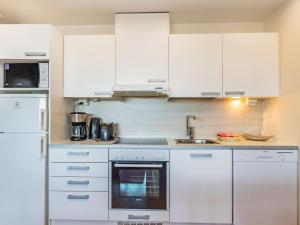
(248, 155)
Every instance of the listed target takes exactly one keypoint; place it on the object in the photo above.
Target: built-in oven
(139, 184)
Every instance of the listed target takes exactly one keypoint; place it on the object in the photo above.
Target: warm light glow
(236, 102)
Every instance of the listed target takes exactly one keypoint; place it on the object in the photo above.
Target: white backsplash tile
(155, 117)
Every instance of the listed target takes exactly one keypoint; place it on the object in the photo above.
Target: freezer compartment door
(23, 113)
(22, 179)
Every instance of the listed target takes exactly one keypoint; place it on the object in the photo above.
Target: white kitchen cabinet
(195, 63)
(201, 186)
(142, 48)
(250, 65)
(78, 184)
(24, 41)
(89, 65)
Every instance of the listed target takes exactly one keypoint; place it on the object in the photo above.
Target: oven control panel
(139, 155)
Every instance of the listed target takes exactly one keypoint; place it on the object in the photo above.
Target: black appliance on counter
(79, 129)
(94, 131)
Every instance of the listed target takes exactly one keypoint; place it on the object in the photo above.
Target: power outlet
(251, 102)
(82, 102)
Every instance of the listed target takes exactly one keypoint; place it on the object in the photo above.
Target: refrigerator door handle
(43, 119)
(43, 147)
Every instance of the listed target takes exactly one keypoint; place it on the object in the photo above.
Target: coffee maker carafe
(78, 121)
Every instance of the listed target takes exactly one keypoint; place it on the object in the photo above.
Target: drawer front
(78, 155)
(78, 205)
(78, 184)
(78, 169)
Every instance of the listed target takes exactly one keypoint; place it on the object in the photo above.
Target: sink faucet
(189, 129)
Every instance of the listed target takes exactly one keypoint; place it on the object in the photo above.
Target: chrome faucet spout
(189, 128)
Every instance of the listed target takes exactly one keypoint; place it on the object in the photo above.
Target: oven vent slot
(138, 223)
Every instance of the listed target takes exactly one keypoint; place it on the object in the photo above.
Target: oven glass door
(139, 185)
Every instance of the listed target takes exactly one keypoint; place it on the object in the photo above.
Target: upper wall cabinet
(195, 63)
(142, 48)
(250, 65)
(20, 41)
(89, 65)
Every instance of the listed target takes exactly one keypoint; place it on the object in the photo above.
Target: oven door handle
(123, 165)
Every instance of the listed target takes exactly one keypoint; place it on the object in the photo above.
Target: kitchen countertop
(172, 144)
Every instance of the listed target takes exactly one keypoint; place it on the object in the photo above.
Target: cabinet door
(24, 41)
(250, 65)
(89, 65)
(142, 48)
(22, 179)
(201, 186)
(195, 62)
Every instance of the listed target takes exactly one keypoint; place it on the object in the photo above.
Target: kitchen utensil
(107, 131)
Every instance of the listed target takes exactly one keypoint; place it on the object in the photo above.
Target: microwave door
(21, 75)
(27, 113)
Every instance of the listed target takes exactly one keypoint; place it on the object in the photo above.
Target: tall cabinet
(142, 48)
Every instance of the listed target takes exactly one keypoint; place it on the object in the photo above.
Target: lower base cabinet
(201, 186)
(78, 205)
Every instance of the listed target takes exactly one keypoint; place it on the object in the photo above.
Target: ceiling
(83, 12)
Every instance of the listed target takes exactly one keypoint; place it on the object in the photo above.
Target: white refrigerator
(23, 149)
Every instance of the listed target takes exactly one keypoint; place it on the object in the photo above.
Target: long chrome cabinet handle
(43, 147)
(78, 167)
(84, 197)
(157, 81)
(139, 165)
(75, 182)
(210, 93)
(35, 54)
(43, 119)
(78, 153)
(99, 93)
(138, 217)
(235, 92)
(201, 155)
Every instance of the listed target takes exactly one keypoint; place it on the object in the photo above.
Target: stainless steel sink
(196, 141)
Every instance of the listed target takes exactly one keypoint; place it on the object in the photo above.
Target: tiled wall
(160, 118)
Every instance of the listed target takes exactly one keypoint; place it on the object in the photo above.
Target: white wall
(157, 118)
(282, 115)
(174, 28)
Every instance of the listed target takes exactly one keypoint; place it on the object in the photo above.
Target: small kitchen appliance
(107, 131)
(94, 129)
(79, 130)
(26, 75)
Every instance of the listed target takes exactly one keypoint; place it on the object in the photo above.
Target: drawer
(78, 205)
(78, 155)
(78, 169)
(78, 184)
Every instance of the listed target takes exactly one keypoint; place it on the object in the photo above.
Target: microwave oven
(26, 75)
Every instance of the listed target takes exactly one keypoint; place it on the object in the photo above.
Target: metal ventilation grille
(138, 223)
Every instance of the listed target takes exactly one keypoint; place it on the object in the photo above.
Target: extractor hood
(140, 91)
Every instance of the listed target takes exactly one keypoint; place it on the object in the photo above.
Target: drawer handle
(138, 217)
(78, 167)
(201, 155)
(35, 54)
(210, 93)
(74, 182)
(234, 92)
(78, 153)
(83, 197)
(156, 81)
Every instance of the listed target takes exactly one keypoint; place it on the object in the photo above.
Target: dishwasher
(265, 187)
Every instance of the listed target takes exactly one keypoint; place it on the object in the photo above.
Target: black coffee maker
(79, 130)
